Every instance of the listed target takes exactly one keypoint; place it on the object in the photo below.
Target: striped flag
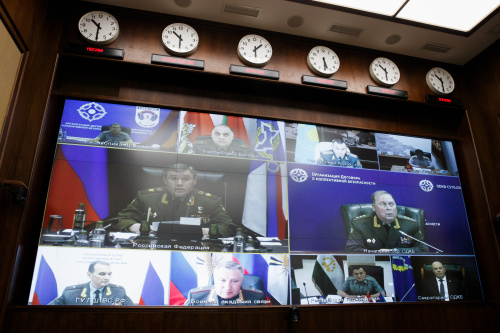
(46, 285)
(152, 290)
(327, 275)
(264, 209)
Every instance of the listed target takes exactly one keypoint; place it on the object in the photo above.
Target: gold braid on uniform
(240, 299)
(164, 199)
(377, 225)
(108, 291)
(84, 293)
(211, 296)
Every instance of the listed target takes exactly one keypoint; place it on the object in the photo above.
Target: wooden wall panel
(134, 80)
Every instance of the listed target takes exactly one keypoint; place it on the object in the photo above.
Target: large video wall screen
(158, 207)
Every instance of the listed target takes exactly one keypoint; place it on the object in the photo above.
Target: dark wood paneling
(136, 81)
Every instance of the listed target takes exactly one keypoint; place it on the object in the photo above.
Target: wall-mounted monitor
(159, 207)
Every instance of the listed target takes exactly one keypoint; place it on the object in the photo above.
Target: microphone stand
(418, 240)
(307, 297)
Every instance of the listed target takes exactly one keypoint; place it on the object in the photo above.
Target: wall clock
(98, 27)
(254, 50)
(180, 39)
(440, 81)
(323, 61)
(384, 71)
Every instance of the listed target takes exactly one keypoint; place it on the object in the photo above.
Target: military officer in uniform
(178, 199)
(360, 284)
(96, 292)
(380, 231)
(338, 156)
(222, 143)
(227, 289)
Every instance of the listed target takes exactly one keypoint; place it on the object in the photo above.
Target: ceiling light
(462, 15)
(385, 7)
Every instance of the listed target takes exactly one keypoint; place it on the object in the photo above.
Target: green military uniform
(238, 148)
(352, 287)
(369, 234)
(79, 294)
(206, 296)
(164, 208)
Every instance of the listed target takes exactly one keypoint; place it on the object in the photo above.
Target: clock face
(98, 27)
(255, 50)
(323, 61)
(384, 72)
(180, 39)
(440, 81)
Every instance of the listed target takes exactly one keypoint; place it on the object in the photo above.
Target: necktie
(441, 288)
(97, 298)
(387, 227)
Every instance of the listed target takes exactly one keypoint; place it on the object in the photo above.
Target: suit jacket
(206, 296)
(80, 295)
(456, 289)
(368, 234)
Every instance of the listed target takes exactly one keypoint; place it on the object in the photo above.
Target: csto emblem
(91, 111)
(147, 117)
(426, 185)
(298, 175)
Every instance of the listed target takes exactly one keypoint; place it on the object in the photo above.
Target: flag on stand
(404, 281)
(46, 285)
(327, 275)
(152, 290)
(264, 208)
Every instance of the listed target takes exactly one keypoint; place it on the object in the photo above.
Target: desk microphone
(418, 240)
(307, 297)
(407, 292)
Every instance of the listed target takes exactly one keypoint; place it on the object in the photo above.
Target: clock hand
(180, 38)
(442, 83)
(98, 28)
(385, 70)
(255, 50)
(324, 64)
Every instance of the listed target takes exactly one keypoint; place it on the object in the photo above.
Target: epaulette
(153, 190)
(208, 195)
(200, 142)
(403, 217)
(327, 152)
(359, 217)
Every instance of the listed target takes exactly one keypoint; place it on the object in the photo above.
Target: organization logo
(426, 185)
(147, 117)
(273, 167)
(298, 175)
(91, 111)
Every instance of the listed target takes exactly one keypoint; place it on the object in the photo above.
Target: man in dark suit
(96, 292)
(442, 287)
(227, 289)
(380, 232)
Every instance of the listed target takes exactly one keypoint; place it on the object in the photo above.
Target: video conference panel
(158, 207)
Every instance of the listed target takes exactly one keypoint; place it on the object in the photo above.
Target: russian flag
(183, 277)
(46, 285)
(264, 208)
(152, 290)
